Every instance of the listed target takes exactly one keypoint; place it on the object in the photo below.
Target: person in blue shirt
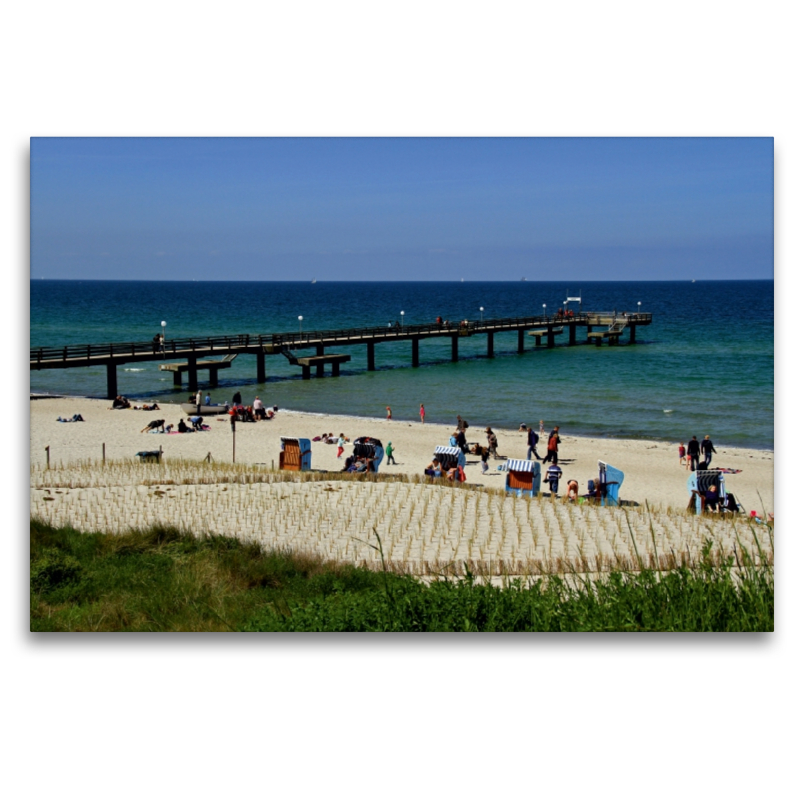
(553, 476)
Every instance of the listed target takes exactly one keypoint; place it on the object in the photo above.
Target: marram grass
(164, 579)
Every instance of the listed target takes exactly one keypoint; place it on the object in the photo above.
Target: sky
(401, 208)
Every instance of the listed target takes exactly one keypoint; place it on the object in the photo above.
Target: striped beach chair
(700, 481)
(523, 477)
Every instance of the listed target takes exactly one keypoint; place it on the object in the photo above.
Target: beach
(652, 471)
(424, 528)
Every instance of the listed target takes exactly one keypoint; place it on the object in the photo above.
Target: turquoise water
(705, 365)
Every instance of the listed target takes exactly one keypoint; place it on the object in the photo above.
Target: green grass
(163, 580)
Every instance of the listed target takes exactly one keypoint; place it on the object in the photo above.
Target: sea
(704, 366)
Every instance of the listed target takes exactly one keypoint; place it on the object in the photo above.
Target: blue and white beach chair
(700, 482)
(523, 477)
(606, 487)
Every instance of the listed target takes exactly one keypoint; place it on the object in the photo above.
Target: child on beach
(681, 453)
(553, 476)
(340, 446)
(388, 412)
(422, 413)
(390, 454)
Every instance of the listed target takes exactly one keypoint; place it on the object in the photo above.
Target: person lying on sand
(153, 425)
(75, 418)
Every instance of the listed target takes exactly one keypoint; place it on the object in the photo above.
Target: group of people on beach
(690, 456)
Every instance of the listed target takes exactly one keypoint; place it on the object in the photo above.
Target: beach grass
(164, 579)
(427, 527)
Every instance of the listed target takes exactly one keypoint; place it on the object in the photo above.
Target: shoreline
(369, 420)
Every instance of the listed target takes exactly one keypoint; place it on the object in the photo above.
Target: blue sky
(402, 209)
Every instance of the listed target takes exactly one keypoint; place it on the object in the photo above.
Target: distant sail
(314, 280)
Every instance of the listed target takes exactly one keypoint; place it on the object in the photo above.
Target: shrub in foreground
(164, 580)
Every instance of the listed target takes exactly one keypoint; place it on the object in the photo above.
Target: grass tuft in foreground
(164, 580)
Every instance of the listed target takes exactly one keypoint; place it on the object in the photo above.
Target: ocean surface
(705, 365)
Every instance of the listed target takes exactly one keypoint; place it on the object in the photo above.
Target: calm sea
(705, 365)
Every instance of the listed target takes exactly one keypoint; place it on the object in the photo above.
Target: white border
(175, 716)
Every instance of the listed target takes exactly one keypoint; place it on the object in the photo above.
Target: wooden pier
(198, 353)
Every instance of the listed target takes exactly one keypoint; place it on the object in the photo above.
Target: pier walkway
(192, 350)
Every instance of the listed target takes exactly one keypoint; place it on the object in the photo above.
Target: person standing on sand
(390, 454)
(533, 440)
(693, 452)
(340, 446)
(492, 440)
(422, 413)
(388, 412)
(552, 447)
(681, 453)
(553, 476)
(708, 448)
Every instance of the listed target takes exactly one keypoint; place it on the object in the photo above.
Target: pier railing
(182, 346)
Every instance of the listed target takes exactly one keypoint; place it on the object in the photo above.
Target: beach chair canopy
(304, 444)
(703, 479)
(521, 465)
(368, 440)
(450, 456)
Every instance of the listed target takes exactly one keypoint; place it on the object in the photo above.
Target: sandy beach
(425, 529)
(652, 471)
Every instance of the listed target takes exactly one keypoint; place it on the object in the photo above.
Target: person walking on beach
(708, 448)
(541, 429)
(390, 454)
(533, 440)
(693, 452)
(553, 476)
(492, 439)
(388, 412)
(681, 454)
(484, 460)
(422, 413)
(552, 447)
(198, 400)
(340, 446)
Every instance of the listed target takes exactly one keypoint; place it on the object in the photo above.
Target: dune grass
(162, 579)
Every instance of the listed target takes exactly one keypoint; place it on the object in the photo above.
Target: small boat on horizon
(314, 280)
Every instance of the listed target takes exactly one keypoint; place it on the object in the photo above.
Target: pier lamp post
(402, 314)
(639, 304)
(163, 338)
(544, 310)
(481, 313)
(300, 320)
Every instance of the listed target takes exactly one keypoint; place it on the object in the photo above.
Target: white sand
(652, 472)
(424, 529)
